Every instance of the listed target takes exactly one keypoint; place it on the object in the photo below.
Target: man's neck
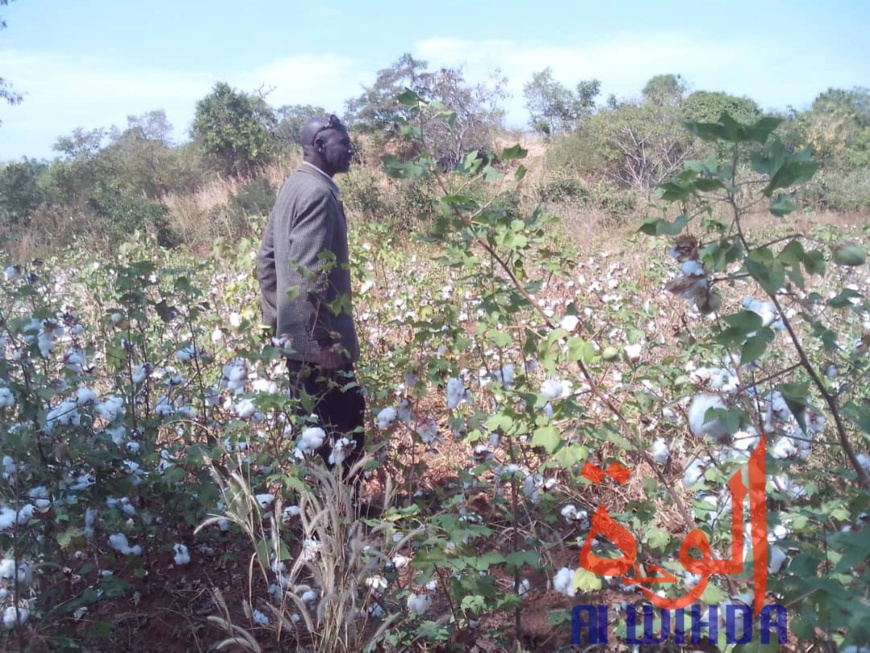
(318, 168)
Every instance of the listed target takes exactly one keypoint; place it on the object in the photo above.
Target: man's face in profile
(337, 150)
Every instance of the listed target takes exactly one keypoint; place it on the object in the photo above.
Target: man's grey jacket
(303, 271)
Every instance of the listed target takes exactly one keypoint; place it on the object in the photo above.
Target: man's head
(326, 144)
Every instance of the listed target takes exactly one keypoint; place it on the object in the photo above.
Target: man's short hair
(313, 127)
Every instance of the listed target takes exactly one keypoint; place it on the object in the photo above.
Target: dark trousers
(338, 402)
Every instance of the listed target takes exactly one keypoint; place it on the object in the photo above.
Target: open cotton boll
(777, 557)
(694, 472)
(698, 424)
(660, 452)
(309, 596)
(182, 555)
(265, 386)
(386, 418)
(289, 513)
(340, 451)
(569, 323)
(563, 582)
(7, 399)
(8, 572)
(455, 392)
(264, 500)
(555, 389)
(311, 439)
(419, 603)
(119, 542)
(259, 618)
(13, 616)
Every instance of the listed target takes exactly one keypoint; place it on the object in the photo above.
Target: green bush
(124, 214)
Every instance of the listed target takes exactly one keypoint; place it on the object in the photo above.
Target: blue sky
(92, 63)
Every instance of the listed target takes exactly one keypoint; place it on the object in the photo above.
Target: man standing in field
(305, 285)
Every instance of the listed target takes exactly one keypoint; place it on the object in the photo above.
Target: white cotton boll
(419, 603)
(259, 618)
(187, 354)
(119, 542)
(66, 414)
(309, 596)
(245, 408)
(289, 513)
(41, 497)
(555, 389)
(693, 269)
(785, 447)
(864, 461)
(660, 452)
(182, 555)
(455, 392)
(13, 616)
(765, 310)
(8, 518)
(634, 351)
(264, 500)
(386, 418)
(7, 399)
(694, 472)
(111, 408)
(265, 386)
(400, 561)
(428, 431)
(777, 558)
(24, 574)
(310, 549)
(505, 376)
(340, 451)
(85, 396)
(312, 438)
(715, 428)
(569, 323)
(563, 582)
(164, 406)
(90, 520)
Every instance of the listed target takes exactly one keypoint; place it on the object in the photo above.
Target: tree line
(119, 176)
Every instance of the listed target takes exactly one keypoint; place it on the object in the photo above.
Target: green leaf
(783, 205)
(514, 152)
(754, 347)
(661, 227)
(586, 581)
(796, 169)
(569, 456)
(765, 270)
(795, 397)
(547, 437)
(814, 263)
(706, 131)
(409, 98)
(657, 538)
(712, 595)
(519, 559)
(843, 300)
(580, 350)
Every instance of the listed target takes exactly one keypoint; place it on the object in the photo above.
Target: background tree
(234, 130)
(372, 111)
(290, 120)
(665, 90)
(553, 107)
(477, 107)
(708, 106)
